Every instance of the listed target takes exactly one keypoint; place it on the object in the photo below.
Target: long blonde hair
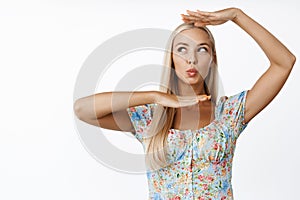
(155, 143)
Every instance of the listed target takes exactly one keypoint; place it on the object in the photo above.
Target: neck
(190, 90)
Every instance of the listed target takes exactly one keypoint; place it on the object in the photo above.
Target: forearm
(99, 105)
(276, 52)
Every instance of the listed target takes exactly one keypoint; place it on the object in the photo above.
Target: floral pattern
(200, 161)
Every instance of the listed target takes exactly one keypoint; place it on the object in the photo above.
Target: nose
(192, 60)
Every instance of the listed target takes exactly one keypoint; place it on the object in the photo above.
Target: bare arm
(281, 59)
(273, 79)
(108, 109)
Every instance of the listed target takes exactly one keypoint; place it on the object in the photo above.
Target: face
(192, 55)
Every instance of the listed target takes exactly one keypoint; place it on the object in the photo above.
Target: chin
(193, 81)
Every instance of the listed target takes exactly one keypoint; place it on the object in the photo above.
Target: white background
(43, 45)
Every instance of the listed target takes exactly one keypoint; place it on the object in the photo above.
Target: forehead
(192, 36)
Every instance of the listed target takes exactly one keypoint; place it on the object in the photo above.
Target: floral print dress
(200, 160)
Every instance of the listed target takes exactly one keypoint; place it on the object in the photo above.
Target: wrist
(236, 14)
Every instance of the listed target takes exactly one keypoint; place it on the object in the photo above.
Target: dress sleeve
(141, 117)
(233, 113)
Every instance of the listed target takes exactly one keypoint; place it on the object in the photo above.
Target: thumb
(204, 97)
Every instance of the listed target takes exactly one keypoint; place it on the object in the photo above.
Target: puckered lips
(191, 72)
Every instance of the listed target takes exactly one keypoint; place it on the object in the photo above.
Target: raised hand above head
(203, 18)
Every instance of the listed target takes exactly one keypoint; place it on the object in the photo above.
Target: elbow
(291, 63)
(77, 108)
(287, 63)
(81, 109)
(293, 59)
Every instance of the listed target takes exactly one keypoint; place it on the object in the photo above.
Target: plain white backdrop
(43, 45)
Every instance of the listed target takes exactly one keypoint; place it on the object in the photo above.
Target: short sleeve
(233, 112)
(141, 117)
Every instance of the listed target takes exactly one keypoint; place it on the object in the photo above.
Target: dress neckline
(194, 130)
(202, 128)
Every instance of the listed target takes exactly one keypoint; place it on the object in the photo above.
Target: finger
(199, 15)
(209, 15)
(196, 19)
(187, 20)
(196, 15)
(193, 13)
(188, 16)
(204, 12)
(191, 16)
(187, 98)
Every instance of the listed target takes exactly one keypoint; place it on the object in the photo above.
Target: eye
(205, 49)
(181, 49)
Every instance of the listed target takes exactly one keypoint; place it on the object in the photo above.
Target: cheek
(179, 62)
(204, 59)
(204, 72)
(204, 65)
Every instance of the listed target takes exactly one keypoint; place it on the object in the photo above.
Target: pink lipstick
(191, 72)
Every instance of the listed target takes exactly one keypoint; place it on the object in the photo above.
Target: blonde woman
(188, 130)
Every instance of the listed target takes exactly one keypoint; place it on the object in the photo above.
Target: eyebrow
(204, 43)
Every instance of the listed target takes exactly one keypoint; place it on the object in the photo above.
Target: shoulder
(141, 110)
(141, 115)
(141, 118)
(231, 112)
(232, 100)
(231, 105)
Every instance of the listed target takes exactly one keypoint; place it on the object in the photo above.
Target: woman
(188, 131)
